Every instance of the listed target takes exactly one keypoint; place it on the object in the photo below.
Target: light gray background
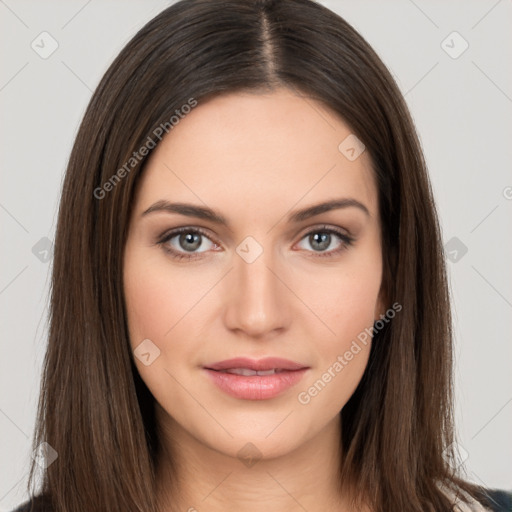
(462, 107)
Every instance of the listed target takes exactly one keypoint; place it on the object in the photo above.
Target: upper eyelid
(168, 235)
(171, 233)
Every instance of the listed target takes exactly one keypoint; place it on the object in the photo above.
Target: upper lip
(267, 363)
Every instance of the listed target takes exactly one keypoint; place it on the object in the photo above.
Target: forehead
(265, 149)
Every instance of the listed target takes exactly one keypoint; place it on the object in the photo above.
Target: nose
(258, 300)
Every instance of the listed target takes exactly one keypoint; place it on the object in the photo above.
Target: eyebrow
(205, 213)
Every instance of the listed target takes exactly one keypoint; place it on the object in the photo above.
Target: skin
(255, 159)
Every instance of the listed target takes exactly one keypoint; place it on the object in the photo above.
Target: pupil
(324, 242)
(188, 238)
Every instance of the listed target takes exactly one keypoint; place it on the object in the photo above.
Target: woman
(249, 300)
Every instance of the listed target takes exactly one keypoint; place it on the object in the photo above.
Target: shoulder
(487, 500)
(498, 500)
(36, 504)
(25, 507)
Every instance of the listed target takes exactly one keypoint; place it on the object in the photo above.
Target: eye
(182, 243)
(322, 238)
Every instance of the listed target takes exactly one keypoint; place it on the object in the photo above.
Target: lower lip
(257, 387)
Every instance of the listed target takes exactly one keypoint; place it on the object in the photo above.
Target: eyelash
(347, 241)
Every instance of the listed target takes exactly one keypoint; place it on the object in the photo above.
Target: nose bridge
(256, 304)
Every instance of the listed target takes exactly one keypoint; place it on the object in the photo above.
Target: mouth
(247, 372)
(257, 365)
(249, 379)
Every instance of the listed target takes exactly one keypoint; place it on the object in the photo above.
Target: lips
(246, 372)
(250, 379)
(261, 365)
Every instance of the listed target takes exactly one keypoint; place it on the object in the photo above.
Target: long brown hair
(94, 409)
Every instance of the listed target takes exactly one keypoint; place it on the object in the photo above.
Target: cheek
(344, 297)
(156, 302)
(155, 299)
(346, 302)
(163, 304)
(342, 354)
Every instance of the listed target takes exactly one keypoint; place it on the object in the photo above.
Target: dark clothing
(499, 501)
(37, 504)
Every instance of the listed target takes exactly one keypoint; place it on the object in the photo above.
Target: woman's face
(265, 283)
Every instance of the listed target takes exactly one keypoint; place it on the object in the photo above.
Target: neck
(202, 478)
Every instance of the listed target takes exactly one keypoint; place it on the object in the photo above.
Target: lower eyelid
(345, 239)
